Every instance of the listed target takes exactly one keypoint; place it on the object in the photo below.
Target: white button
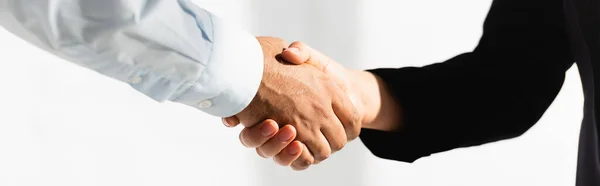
(205, 104)
(136, 80)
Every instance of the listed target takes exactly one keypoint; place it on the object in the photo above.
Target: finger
(346, 113)
(231, 121)
(276, 144)
(334, 134)
(304, 161)
(256, 136)
(318, 146)
(290, 154)
(299, 52)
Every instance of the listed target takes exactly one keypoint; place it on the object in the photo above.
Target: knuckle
(353, 133)
(249, 141)
(338, 146)
(266, 153)
(242, 138)
(320, 112)
(317, 104)
(353, 129)
(357, 131)
(316, 162)
(322, 155)
(303, 163)
(354, 120)
(260, 153)
(278, 161)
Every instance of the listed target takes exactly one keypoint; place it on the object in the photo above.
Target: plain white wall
(65, 125)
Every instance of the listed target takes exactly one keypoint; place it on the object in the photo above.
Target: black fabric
(501, 88)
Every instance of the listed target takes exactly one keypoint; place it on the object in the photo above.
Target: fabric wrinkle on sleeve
(167, 50)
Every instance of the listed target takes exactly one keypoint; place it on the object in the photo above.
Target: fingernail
(267, 130)
(292, 150)
(294, 50)
(225, 122)
(285, 136)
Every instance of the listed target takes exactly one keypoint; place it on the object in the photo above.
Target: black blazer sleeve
(496, 92)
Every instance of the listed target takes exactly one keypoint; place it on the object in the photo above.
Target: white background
(62, 125)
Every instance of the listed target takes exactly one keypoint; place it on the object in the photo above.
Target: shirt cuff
(232, 75)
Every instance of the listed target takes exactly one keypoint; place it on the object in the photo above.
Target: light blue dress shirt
(166, 49)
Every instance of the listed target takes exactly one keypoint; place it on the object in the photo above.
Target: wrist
(361, 92)
(380, 110)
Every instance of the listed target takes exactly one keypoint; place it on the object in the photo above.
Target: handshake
(309, 106)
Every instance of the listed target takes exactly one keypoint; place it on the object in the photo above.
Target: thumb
(299, 53)
(295, 56)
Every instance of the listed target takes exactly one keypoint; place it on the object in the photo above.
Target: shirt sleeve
(167, 50)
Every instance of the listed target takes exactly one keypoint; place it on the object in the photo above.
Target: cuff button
(135, 80)
(205, 104)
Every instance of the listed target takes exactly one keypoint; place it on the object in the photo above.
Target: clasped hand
(303, 110)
